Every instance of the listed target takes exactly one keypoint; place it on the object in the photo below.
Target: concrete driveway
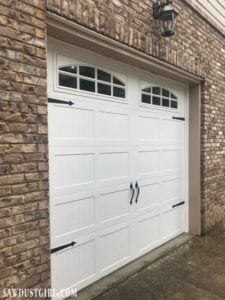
(193, 271)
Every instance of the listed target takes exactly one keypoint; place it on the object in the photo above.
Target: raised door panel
(147, 164)
(113, 206)
(171, 131)
(172, 190)
(113, 165)
(113, 248)
(147, 233)
(74, 267)
(171, 161)
(113, 176)
(72, 216)
(71, 125)
(148, 128)
(113, 126)
(172, 222)
(72, 169)
(148, 199)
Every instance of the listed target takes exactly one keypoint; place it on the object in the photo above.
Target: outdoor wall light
(166, 15)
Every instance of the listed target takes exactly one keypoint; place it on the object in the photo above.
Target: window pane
(104, 89)
(147, 90)
(87, 71)
(155, 100)
(118, 92)
(104, 76)
(156, 90)
(146, 98)
(165, 102)
(87, 85)
(165, 93)
(173, 96)
(69, 69)
(67, 81)
(173, 104)
(117, 81)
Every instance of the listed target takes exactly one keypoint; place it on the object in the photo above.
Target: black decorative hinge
(50, 100)
(54, 250)
(178, 204)
(178, 118)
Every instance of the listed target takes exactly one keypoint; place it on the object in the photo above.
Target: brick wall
(198, 47)
(24, 217)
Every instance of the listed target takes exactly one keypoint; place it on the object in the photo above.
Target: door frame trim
(194, 159)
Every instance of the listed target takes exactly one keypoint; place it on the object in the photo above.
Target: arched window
(159, 96)
(90, 79)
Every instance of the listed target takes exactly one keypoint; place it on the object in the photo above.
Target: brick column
(24, 216)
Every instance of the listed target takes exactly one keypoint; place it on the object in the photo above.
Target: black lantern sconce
(166, 15)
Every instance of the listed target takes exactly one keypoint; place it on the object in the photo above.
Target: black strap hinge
(178, 118)
(50, 100)
(54, 250)
(178, 204)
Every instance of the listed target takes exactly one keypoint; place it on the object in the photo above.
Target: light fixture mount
(166, 15)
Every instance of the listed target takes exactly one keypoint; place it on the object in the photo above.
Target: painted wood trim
(194, 160)
(214, 9)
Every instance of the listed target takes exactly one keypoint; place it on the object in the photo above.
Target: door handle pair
(133, 192)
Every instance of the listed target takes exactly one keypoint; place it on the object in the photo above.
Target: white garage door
(117, 164)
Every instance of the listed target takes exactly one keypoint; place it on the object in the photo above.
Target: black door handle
(132, 196)
(138, 189)
(54, 250)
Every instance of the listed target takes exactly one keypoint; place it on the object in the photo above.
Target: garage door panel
(113, 206)
(171, 131)
(147, 233)
(113, 166)
(149, 197)
(148, 162)
(148, 128)
(71, 126)
(75, 265)
(171, 159)
(114, 249)
(171, 189)
(172, 222)
(74, 215)
(72, 170)
(113, 126)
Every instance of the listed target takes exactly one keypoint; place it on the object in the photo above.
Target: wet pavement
(194, 271)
